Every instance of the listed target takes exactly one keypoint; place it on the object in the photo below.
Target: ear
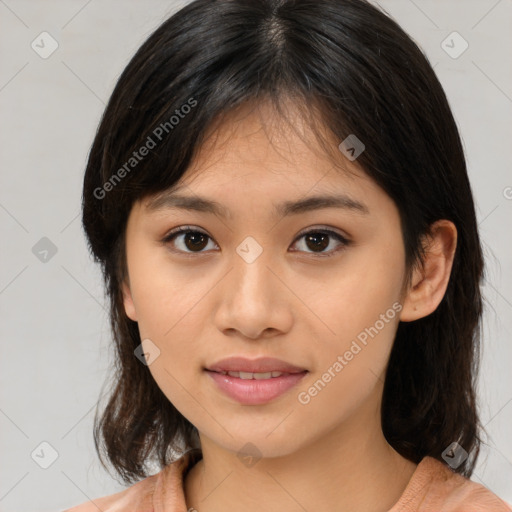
(429, 282)
(129, 306)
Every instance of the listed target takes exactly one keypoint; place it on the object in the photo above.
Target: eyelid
(326, 229)
(183, 229)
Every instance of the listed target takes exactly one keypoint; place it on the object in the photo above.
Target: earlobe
(429, 282)
(129, 306)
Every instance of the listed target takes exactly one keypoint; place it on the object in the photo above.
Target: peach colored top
(433, 487)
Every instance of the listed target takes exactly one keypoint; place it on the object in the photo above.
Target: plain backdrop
(54, 330)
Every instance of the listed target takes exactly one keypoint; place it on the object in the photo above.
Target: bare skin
(327, 452)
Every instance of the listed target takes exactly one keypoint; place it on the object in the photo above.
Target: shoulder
(138, 496)
(435, 487)
(163, 488)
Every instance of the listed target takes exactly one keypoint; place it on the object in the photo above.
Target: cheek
(351, 369)
(169, 305)
(164, 295)
(361, 310)
(364, 287)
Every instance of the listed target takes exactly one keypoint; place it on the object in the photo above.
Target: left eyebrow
(202, 204)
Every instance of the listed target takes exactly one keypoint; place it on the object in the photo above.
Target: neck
(352, 467)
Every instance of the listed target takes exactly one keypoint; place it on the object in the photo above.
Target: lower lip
(255, 391)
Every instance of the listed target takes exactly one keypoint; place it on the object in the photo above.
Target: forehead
(254, 153)
(256, 135)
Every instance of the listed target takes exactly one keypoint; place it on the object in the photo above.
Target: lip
(255, 391)
(259, 365)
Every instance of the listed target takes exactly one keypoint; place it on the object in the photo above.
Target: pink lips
(255, 391)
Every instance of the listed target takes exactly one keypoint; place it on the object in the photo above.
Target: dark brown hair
(352, 68)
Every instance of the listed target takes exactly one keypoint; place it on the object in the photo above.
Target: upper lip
(260, 365)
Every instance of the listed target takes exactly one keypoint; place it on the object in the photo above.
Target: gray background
(54, 330)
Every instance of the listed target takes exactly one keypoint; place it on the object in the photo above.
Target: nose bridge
(253, 279)
(249, 300)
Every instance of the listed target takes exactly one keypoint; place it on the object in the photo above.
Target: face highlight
(269, 250)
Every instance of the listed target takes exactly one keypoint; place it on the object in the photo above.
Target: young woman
(278, 197)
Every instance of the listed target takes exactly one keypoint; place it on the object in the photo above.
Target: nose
(253, 299)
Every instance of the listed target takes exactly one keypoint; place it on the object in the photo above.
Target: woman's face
(252, 283)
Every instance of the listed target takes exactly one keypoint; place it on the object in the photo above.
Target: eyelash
(190, 229)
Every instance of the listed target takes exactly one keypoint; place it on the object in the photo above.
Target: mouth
(255, 382)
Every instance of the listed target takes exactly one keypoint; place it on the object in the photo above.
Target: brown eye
(195, 240)
(187, 240)
(318, 240)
